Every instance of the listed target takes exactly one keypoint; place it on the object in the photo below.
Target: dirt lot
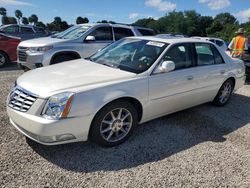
(205, 146)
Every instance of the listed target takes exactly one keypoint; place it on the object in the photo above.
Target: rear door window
(102, 34)
(122, 32)
(27, 30)
(204, 54)
(217, 56)
(207, 54)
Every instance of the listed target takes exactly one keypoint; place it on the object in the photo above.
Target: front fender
(90, 102)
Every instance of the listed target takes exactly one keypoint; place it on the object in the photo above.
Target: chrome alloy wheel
(116, 124)
(225, 92)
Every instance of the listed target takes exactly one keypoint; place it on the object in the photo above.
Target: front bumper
(50, 132)
(28, 60)
(240, 81)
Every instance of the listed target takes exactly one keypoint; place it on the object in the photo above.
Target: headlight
(40, 49)
(58, 106)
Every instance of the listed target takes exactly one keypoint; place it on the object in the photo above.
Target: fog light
(38, 65)
(47, 139)
(65, 137)
(57, 138)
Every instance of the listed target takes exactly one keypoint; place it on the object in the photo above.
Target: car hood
(70, 76)
(39, 42)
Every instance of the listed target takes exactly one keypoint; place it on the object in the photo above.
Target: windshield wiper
(89, 58)
(109, 65)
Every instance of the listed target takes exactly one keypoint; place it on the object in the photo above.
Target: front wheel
(3, 59)
(224, 93)
(114, 124)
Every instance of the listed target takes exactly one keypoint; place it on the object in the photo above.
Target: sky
(122, 11)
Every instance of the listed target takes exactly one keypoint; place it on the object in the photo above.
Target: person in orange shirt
(238, 45)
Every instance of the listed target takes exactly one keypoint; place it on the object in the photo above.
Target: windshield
(73, 32)
(132, 55)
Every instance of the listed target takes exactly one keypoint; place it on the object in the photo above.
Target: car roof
(31, 26)
(113, 25)
(207, 38)
(170, 40)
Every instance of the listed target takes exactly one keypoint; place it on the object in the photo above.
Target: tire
(61, 58)
(3, 59)
(110, 130)
(224, 94)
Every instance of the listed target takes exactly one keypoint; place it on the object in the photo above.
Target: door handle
(190, 77)
(222, 71)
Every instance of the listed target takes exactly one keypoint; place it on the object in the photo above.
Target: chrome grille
(21, 52)
(22, 56)
(20, 100)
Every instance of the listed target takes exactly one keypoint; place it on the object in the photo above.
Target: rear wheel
(224, 93)
(114, 124)
(3, 59)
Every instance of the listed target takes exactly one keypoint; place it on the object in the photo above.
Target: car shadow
(155, 140)
(10, 66)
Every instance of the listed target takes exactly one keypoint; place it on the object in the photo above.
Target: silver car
(132, 81)
(80, 41)
(221, 43)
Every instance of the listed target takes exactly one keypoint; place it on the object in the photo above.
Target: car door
(175, 90)
(211, 70)
(103, 37)
(26, 33)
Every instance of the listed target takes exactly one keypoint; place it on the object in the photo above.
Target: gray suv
(24, 32)
(80, 41)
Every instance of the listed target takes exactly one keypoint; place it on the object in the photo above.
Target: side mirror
(166, 66)
(90, 38)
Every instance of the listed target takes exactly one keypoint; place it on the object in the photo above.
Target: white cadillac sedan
(127, 83)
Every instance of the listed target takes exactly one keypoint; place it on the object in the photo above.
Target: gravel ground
(205, 146)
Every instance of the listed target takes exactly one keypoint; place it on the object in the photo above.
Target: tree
(64, 25)
(205, 22)
(18, 15)
(57, 25)
(3, 11)
(192, 23)
(143, 22)
(112, 22)
(41, 24)
(81, 20)
(33, 19)
(103, 21)
(225, 18)
(12, 20)
(5, 20)
(25, 21)
(57, 20)
(174, 22)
